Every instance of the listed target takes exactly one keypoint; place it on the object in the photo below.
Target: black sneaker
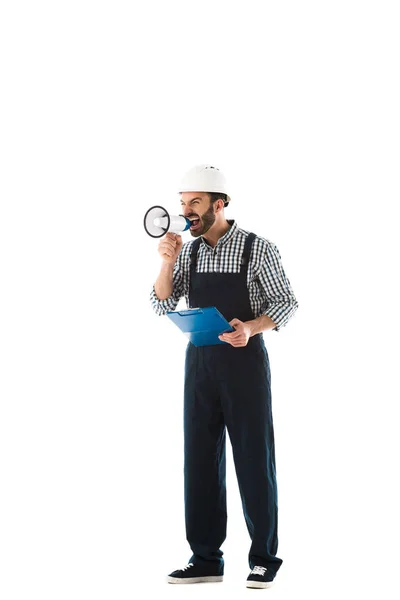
(196, 573)
(259, 577)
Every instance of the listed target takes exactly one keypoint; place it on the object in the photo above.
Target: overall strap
(193, 253)
(247, 250)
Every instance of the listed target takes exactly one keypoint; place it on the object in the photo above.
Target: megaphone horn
(157, 221)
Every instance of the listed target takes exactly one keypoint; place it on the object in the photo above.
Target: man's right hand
(170, 247)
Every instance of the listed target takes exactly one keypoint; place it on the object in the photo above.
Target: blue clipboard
(202, 326)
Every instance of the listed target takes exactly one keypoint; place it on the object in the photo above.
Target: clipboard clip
(190, 311)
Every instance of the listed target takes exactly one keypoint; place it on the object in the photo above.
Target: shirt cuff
(281, 314)
(279, 320)
(161, 307)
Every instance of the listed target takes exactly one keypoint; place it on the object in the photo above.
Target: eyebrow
(192, 200)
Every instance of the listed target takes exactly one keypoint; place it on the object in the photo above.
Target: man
(228, 385)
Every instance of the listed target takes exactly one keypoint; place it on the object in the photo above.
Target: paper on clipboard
(202, 326)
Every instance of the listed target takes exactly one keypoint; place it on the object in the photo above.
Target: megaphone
(157, 221)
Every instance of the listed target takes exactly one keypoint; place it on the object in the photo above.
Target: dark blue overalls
(227, 386)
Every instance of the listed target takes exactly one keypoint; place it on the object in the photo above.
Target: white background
(103, 107)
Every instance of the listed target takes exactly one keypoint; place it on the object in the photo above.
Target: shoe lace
(258, 571)
(187, 567)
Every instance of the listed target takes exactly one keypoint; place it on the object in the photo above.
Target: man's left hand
(239, 337)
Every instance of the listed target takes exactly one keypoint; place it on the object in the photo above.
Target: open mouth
(195, 223)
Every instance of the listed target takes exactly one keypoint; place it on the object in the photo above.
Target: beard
(206, 221)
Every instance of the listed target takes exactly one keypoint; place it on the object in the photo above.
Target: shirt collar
(228, 236)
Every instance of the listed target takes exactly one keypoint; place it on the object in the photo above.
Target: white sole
(210, 579)
(259, 584)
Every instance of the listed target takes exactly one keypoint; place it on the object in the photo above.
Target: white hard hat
(204, 178)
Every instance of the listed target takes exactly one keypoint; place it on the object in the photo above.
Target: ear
(220, 205)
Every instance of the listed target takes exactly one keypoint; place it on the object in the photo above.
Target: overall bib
(227, 387)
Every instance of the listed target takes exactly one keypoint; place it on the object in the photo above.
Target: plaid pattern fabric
(269, 288)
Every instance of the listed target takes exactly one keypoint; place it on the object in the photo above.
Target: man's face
(197, 207)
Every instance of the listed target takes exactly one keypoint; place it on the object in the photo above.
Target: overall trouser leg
(204, 461)
(248, 415)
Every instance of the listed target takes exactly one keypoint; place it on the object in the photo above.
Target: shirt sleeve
(281, 301)
(161, 307)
